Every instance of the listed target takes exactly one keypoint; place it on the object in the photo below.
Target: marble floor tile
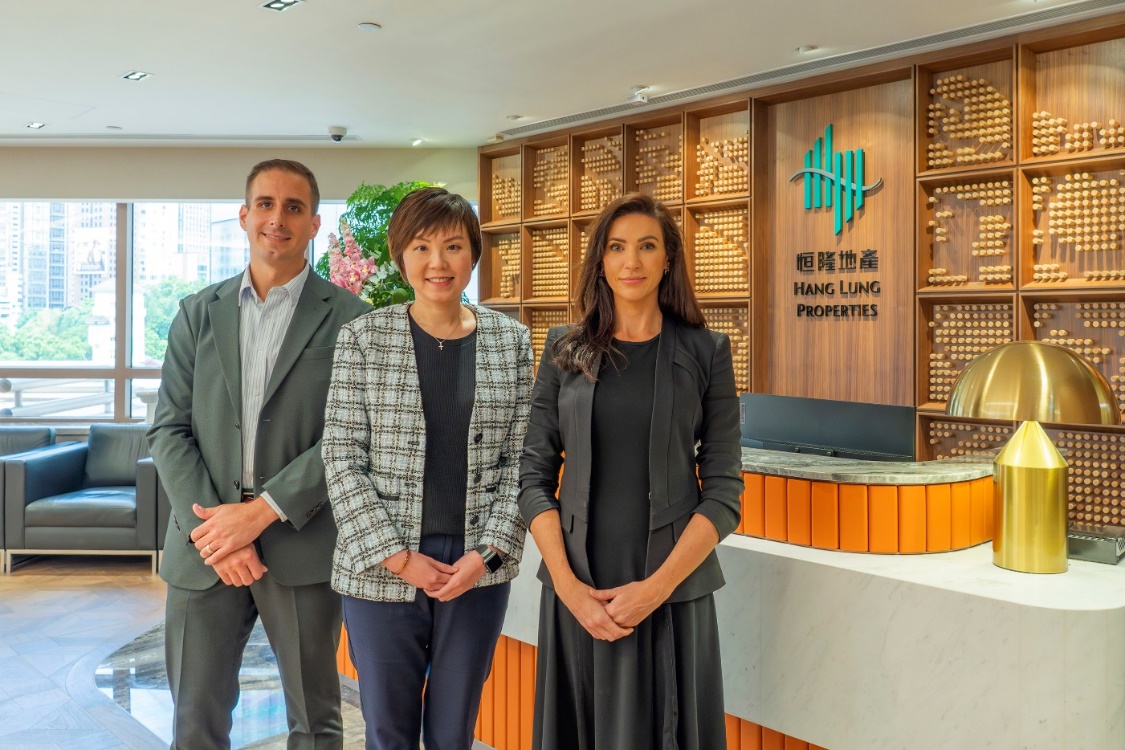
(53, 616)
(70, 717)
(16, 742)
(44, 698)
(81, 668)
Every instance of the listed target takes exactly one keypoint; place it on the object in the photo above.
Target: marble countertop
(855, 471)
(1085, 587)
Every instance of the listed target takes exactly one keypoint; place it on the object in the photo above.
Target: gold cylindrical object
(1030, 479)
(1033, 381)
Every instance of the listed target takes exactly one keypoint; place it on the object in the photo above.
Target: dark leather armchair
(149, 485)
(15, 440)
(97, 497)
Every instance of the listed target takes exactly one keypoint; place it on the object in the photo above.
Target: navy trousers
(422, 665)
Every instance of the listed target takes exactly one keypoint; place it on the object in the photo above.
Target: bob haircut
(424, 210)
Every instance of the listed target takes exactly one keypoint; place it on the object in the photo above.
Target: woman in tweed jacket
(425, 421)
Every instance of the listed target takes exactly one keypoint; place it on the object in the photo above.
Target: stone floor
(82, 665)
(59, 618)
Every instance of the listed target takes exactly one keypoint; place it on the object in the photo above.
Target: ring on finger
(209, 550)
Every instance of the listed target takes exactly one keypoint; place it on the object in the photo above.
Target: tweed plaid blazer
(374, 448)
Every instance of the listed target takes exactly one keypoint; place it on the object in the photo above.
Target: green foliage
(369, 213)
(58, 335)
(162, 301)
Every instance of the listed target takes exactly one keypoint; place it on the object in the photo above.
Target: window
(72, 347)
(57, 290)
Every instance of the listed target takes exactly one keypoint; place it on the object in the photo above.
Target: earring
(665, 271)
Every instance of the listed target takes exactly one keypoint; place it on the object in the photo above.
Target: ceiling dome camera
(337, 133)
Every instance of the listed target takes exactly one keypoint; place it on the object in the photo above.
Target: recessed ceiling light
(370, 26)
(513, 118)
(417, 142)
(36, 125)
(113, 127)
(280, 5)
(136, 75)
(805, 49)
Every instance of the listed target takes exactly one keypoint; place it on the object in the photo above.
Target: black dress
(661, 687)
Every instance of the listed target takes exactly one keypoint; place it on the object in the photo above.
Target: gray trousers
(205, 635)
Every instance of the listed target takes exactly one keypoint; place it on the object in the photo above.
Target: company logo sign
(834, 179)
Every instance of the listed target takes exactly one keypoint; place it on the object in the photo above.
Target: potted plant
(360, 259)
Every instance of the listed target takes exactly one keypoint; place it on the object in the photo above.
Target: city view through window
(59, 306)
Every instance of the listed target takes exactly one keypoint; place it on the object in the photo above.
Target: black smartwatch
(492, 560)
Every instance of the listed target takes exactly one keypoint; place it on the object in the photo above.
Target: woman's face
(439, 264)
(635, 260)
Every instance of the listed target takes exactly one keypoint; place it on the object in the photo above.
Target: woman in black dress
(641, 399)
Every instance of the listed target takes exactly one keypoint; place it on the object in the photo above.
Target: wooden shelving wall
(1019, 220)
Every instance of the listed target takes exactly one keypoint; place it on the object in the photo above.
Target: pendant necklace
(441, 342)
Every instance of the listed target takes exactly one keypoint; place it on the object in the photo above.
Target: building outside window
(78, 342)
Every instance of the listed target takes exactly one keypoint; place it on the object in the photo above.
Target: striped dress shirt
(261, 329)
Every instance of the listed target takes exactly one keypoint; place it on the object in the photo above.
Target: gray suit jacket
(196, 440)
(375, 448)
(694, 452)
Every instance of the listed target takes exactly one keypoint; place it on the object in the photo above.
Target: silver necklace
(440, 342)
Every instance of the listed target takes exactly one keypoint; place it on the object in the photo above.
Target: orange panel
(991, 510)
(816, 747)
(799, 504)
(939, 517)
(754, 505)
(825, 515)
(772, 740)
(751, 736)
(515, 694)
(979, 509)
(344, 658)
(960, 515)
(912, 518)
(853, 517)
(486, 709)
(794, 744)
(883, 513)
(734, 737)
(500, 696)
(776, 514)
(741, 505)
(527, 694)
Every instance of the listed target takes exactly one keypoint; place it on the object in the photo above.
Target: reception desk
(829, 648)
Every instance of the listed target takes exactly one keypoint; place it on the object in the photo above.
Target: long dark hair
(581, 348)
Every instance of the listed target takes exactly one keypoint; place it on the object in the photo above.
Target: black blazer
(695, 459)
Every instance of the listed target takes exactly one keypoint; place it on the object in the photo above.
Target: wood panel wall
(848, 359)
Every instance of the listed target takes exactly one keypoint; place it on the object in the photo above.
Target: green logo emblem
(834, 180)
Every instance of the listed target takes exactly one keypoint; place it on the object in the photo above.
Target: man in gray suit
(236, 439)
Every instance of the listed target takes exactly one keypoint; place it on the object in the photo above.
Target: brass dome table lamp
(1032, 382)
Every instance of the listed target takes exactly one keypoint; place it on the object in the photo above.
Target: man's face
(278, 220)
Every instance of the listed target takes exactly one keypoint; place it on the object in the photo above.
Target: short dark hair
(290, 166)
(424, 210)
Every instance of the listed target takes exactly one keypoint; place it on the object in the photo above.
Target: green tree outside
(162, 301)
(49, 335)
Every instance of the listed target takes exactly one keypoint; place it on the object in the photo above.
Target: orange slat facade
(511, 692)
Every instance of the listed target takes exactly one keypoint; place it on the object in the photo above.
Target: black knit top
(447, 378)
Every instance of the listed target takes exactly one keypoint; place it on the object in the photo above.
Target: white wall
(189, 173)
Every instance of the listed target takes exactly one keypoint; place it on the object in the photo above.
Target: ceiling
(227, 72)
